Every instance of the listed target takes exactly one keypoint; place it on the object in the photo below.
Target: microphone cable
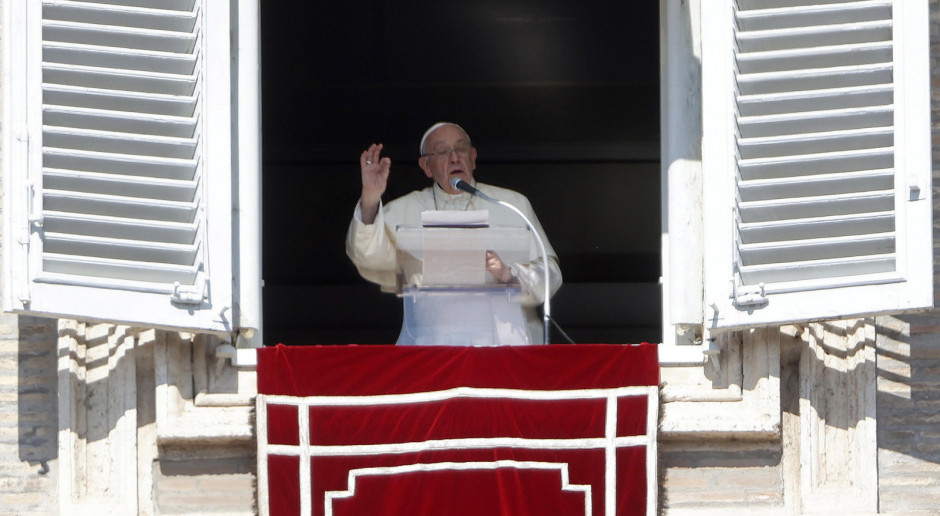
(558, 327)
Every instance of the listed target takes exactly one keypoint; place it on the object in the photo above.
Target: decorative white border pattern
(329, 496)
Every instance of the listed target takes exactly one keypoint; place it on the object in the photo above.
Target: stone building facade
(838, 417)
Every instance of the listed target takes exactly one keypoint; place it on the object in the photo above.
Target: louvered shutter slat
(120, 228)
(127, 186)
(99, 13)
(818, 121)
(817, 227)
(126, 101)
(827, 184)
(816, 249)
(118, 249)
(97, 57)
(803, 143)
(817, 78)
(89, 77)
(174, 5)
(795, 272)
(131, 207)
(818, 35)
(148, 271)
(816, 206)
(125, 143)
(820, 57)
(768, 15)
(78, 118)
(118, 163)
(826, 163)
(808, 102)
(118, 37)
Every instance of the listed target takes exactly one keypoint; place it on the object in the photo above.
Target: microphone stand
(460, 184)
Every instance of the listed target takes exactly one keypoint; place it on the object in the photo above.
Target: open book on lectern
(449, 249)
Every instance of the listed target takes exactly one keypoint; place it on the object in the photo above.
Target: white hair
(424, 139)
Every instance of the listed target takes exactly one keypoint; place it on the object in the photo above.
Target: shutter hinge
(750, 297)
(35, 215)
(194, 295)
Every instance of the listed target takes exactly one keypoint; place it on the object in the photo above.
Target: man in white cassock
(446, 153)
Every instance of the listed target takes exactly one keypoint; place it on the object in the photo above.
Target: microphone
(459, 184)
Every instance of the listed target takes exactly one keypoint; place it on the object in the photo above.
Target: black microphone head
(455, 183)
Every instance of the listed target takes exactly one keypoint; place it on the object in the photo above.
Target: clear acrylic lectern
(449, 298)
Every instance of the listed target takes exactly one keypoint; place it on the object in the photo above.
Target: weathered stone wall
(909, 414)
(730, 474)
(28, 423)
(199, 479)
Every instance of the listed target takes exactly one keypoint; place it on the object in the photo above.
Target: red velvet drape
(460, 431)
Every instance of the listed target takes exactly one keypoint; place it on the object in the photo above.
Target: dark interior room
(560, 98)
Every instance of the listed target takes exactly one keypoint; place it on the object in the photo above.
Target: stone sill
(209, 425)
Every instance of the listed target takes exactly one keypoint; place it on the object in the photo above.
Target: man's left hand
(497, 268)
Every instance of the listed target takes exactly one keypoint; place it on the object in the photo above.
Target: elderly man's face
(449, 155)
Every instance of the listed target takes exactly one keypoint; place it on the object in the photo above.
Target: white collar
(444, 200)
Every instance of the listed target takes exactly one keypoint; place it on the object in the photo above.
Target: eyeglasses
(461, 150)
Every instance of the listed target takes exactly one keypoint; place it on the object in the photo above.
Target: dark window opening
(561, 99)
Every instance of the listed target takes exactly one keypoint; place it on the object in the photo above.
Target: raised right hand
(375, 170)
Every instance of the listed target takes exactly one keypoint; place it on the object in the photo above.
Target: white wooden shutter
(118, 162)
(816, 159)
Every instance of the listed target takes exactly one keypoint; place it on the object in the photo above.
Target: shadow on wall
(909, 413)
(836, 374)
(909, 386)
(37, 403)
